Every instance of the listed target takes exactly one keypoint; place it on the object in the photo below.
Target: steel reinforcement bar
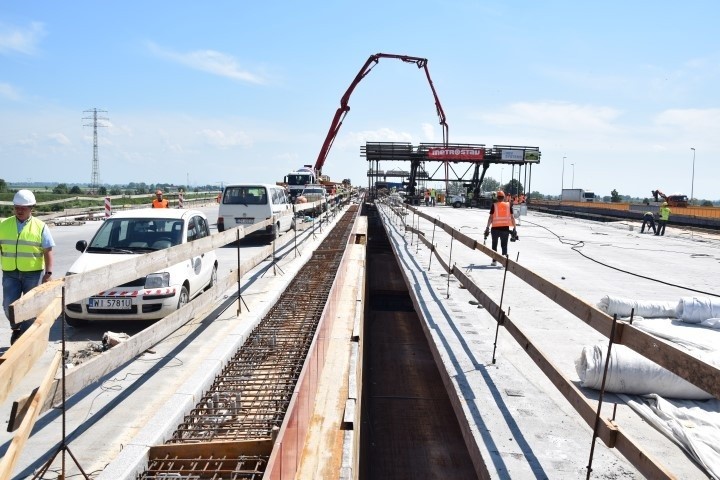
(230, 432)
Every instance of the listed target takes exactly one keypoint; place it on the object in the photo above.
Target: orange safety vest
(501, 216)
(160, 204)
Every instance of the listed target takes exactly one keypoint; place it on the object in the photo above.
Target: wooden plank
(35, 300)
(694, 370)
(22, 355)
(84, 285)
(608, 432)
(18, 442)
(217, 450)
(96, 368)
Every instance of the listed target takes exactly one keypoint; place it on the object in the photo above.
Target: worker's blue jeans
(661, 227)
(15, 284)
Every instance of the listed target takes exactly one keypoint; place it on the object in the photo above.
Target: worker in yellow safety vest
(664, 217)
(159, 201)
(501, 219)
(26, 251)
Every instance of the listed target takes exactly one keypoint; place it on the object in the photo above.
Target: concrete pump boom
(345, 108)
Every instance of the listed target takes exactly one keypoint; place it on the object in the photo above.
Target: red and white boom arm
(345, 108)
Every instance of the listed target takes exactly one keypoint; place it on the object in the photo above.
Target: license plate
(244, 221)
(110, 303)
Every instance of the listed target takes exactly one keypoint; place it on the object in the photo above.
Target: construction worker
(501, 219)
(664, 217)
(648, 219)
(433, 197)
(26, 246)
(159, 201)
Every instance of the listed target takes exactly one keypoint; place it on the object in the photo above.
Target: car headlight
(157, 280)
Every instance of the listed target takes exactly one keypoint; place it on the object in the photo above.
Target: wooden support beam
(84, 285)
(28, 422)
(96, 368)
(667, 355)
(216, 450)
(20, 358)
(611, 434)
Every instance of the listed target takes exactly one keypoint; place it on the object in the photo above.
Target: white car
(136, 232)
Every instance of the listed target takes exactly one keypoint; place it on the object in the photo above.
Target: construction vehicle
(296, 180)
(674, 200)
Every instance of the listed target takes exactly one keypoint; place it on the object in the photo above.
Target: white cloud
(21, 40)
(563, 116)
(692, 119)
(354, 139)
(428, 132)
(219, 138)
(9, 92)
(210, 61)
(59, 138)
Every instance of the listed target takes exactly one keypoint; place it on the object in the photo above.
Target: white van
(249, 203)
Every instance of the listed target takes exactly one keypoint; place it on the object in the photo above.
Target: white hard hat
(24, 198)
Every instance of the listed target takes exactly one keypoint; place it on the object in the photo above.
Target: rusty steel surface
(250, 397)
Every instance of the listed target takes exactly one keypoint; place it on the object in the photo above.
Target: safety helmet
(664, 204)
(159, 192)
(500, 193)
(24, 198)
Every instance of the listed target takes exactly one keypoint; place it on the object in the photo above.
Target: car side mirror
(81, 246)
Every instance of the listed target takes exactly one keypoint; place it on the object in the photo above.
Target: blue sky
(246, 91)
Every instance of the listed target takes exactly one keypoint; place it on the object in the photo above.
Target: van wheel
(457, 205)
(184, 297)
(75, 322)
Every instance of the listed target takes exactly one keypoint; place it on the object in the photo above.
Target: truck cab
(297, 180)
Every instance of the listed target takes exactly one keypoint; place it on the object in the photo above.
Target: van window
(279, 197)
(245, 195)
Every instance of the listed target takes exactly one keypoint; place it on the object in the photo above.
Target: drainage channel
(409, 427)
(230, 432)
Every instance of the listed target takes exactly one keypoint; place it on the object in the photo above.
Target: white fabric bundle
(696, 310)
(693, 425)
(643, 308)
(631, 373)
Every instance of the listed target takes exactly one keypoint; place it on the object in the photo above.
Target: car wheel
(75, 322)
(184, 297)
(457, 205)
(213, 278)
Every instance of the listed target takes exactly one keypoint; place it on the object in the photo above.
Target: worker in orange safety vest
(159, 201)
(501, 219)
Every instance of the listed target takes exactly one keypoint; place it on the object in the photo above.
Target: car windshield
(131, 235)
(246, 195)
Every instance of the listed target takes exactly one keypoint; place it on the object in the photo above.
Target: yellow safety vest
(664, 213)
(22, 251)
